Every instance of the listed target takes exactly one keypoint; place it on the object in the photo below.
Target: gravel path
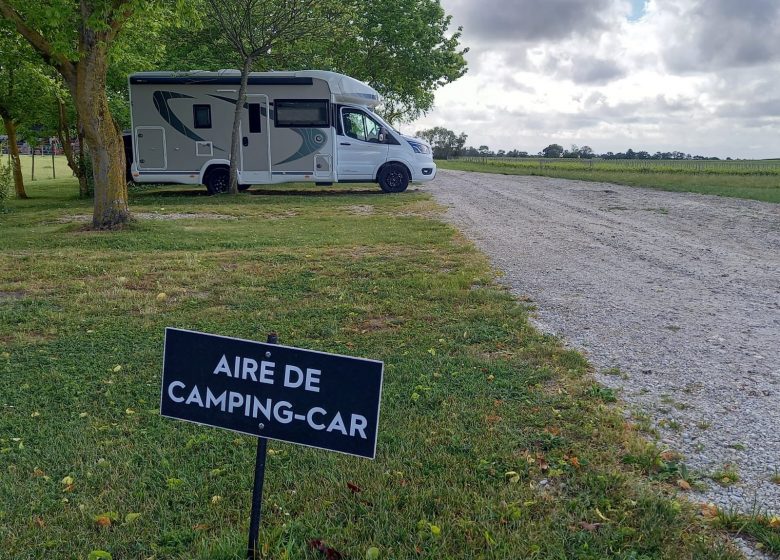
(681, 292)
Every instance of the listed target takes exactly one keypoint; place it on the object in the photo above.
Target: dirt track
(681, 292)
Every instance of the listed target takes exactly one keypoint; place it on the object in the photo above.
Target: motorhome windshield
(383, 122)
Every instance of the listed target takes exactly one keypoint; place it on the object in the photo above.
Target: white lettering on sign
(312, 378)
(246, 368)
(283, 412)
(171, 387)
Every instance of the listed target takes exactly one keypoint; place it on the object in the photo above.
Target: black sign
(301, 396)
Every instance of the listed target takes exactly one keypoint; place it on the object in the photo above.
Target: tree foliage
(402, 48)
(77, 38)
(553, 151)
(445, 142)
(26, 92)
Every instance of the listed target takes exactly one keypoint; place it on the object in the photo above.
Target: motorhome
(308, 126)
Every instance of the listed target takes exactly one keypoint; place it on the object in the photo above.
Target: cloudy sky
(699, 76)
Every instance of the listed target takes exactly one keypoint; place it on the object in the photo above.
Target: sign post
(269, 391)
(257, 489)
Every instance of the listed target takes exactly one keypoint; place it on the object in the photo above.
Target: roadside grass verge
(494, 440)
(765, 188)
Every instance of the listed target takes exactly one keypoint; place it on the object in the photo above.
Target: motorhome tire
(393, 178)
(218, 181)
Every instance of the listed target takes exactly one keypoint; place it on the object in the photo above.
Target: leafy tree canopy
(403, 48)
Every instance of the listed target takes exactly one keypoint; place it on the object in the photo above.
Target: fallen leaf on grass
(68, 483)
(106, 519)
(601, 515)
(39, 522)
(99, 555)
(683, 484)
(117, 369)
(131, 517)
(590, 527)
(670, 455)
(354, 487)
(330, 553)
(709, 510)
(774, 522)
(200, 527)
(512, 477)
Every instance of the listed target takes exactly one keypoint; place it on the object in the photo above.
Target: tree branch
(38, 42)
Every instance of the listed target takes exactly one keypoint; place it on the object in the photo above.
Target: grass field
(751, 180)
(43, 168)
(494, 440)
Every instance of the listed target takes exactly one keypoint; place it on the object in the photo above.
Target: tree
(553, 151)
(253, 28)
(586, 152)
(76, 38)
(445, 143)
(402, 48)
(573, 152)
(11, 55)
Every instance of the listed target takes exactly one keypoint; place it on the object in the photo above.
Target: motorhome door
(150, 147)
(361, 149)
(255, 140)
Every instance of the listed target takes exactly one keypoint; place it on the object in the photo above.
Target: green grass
(494, 440)
(43, 168)
(763, 186)
(757, 527)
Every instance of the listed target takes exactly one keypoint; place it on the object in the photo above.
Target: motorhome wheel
(218, 181)
(393, 178)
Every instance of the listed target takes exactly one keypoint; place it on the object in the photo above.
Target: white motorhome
(312, 126)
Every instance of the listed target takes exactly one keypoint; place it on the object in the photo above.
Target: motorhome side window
(201, 115)
(254, 118)
(302, 113)
(360, 126)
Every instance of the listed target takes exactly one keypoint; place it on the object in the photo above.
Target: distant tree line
(447, 144)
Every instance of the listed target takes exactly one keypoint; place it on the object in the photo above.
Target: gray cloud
(759, 111)
(719, 34)
(596, 71)
(528, 21)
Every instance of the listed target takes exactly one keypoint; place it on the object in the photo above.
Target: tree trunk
(235, 145)
(88, 91)
(63, 133)
(16, 162)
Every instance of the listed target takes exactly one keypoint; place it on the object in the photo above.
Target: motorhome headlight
(419, 147)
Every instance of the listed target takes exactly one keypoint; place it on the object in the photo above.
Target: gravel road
(680, 292)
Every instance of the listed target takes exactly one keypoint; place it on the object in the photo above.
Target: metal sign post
(257, 489)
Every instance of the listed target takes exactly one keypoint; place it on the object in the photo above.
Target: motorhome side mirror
(382, 136)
